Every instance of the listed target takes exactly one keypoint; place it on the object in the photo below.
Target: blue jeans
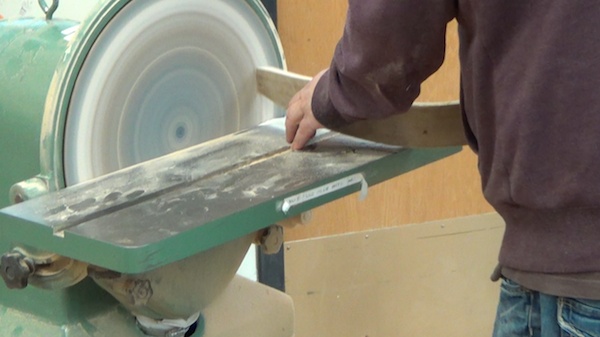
(527, 313)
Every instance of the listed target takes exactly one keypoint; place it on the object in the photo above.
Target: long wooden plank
(424, 125)
(279, 85)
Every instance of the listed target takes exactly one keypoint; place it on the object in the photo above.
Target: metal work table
(190, 201)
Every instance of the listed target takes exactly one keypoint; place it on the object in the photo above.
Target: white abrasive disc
(163, 76)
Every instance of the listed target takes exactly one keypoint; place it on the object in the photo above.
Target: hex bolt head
(272, 240)
(140, 292)
(15, 270)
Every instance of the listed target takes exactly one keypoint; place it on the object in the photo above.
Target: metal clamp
(48, 10)
(22, 267)
(16, 270)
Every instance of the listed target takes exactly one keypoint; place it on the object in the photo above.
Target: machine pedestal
(246, 308)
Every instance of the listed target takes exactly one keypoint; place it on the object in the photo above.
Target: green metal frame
(38, 69)
(30, 49)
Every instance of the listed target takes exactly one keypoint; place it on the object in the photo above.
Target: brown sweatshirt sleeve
(388, 49)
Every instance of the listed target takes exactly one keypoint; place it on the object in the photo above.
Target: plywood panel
(309, 31)
(418, 280)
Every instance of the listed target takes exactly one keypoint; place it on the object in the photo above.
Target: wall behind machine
(309, 30)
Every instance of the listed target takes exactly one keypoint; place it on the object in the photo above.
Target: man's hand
(300, 124)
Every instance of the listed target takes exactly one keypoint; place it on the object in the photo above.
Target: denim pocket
(513, 288)
(514, 311)
(579, 318)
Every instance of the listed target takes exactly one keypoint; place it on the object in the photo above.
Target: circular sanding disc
(166, 75)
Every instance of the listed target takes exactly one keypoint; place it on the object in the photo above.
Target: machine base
(246, 308)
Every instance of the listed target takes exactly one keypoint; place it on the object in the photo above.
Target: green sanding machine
(140, 162)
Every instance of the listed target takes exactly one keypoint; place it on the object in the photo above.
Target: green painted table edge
(144, 258)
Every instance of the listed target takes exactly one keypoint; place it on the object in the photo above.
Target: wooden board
(309, 30)
(418, 280)
(424, 125)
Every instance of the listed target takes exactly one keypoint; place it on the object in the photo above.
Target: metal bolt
(272, 240)
(16, 269)
(140, 292)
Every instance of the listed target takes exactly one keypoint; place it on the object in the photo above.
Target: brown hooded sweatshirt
(530, 94)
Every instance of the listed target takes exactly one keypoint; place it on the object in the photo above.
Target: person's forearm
(388, 49)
